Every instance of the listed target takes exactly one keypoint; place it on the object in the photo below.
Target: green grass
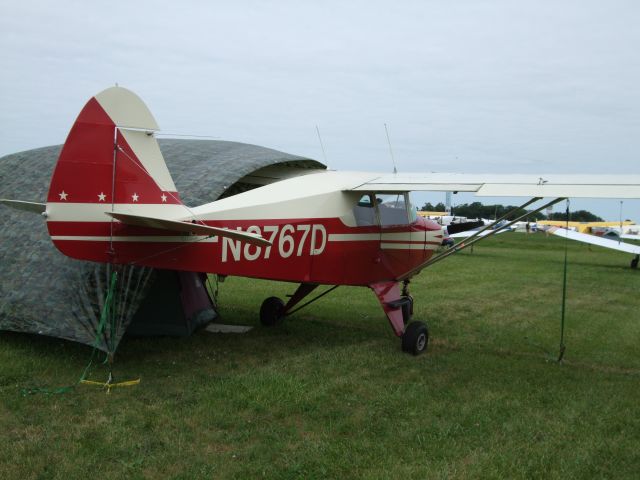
(330, 395)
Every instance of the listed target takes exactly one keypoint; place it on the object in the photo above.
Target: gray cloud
(530, 86)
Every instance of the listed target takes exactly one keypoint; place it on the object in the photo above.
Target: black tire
(634, 263)
(271, 311)
(415, 338)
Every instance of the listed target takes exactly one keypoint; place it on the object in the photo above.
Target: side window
(364, 211)
(392, 209)
(413, 211)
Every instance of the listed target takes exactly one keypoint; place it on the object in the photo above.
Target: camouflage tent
(44, 292)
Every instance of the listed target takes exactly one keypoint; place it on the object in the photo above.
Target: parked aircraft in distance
(600, 241)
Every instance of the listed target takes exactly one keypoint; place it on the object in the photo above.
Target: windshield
(392, 209)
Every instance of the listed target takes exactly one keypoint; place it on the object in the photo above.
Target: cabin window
(392, 209)
(364, 211)
(413, 211)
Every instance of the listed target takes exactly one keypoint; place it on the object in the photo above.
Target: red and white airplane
(112, 200)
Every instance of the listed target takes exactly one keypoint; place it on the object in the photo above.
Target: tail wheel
(415, 338)
(271, 311)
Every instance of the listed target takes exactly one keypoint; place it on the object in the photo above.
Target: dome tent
(44, 292)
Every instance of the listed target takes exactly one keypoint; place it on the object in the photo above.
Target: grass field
(330, 395)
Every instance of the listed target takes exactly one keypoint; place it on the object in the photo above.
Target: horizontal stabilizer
(187, 227)
(593, 240)
(33, 207)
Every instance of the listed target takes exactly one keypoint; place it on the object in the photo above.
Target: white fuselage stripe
(353, 237)
(148, 239)
(395, 236)
(407, 246)
(96, 212)
(202, 238)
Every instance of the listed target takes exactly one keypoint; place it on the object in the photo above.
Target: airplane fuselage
(318, 233)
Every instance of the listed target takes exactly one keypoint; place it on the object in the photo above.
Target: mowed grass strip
(329, 394)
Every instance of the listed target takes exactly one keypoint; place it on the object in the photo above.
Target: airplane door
(418, 251)
(395, 232)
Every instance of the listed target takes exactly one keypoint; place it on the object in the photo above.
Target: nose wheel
(415, 338)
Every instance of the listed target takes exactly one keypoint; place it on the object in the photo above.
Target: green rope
(106, 312)
(564, 288)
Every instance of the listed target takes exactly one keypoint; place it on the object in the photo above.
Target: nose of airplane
(428, 224)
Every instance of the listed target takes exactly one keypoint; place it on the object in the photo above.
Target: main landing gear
(415, 338)
(273, 310)
(397, 304)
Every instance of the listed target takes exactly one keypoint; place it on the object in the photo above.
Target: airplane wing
(468, 233)
(187, 227)
(593, 240)
(498, 185)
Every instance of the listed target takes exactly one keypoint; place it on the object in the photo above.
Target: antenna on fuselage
(324, 155)
(393, 160)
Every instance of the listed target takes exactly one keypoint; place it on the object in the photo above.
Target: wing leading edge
(574, 186)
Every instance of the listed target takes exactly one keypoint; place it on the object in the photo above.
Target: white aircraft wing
(468, 233)
(593, 240)
(574, 186)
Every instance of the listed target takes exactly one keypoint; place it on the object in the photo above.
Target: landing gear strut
(397, 304)
(273, 310)
(407, 305)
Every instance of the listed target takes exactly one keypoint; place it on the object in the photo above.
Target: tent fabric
(158, 311)
(44, 292)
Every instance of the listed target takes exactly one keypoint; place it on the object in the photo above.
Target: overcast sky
(464, 86)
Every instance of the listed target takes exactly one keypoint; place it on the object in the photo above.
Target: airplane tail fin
(110, 162)
(111, 156)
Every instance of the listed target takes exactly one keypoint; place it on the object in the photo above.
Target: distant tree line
(478, 210)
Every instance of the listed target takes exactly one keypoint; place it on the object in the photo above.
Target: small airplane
(600, 241)
(113, 200)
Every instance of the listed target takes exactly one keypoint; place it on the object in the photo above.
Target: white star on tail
(63, 195)
(135, 197)
(164, 197)
(101, 197)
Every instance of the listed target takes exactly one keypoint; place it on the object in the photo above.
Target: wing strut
(503, 217)
(463, 245)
